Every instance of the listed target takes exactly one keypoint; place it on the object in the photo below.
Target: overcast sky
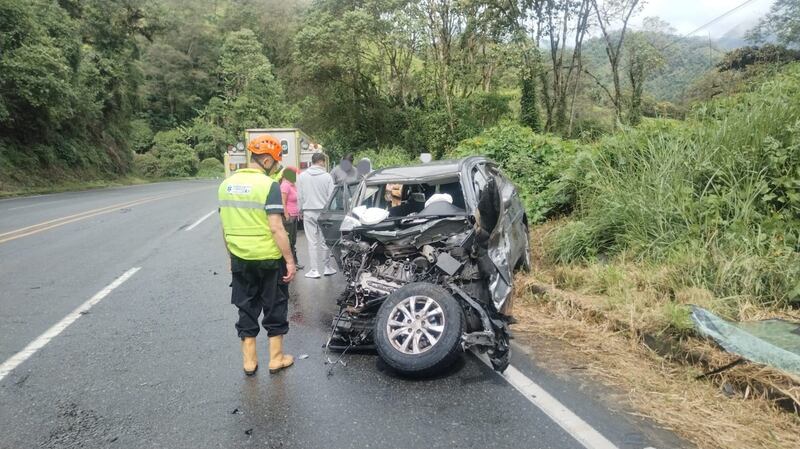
(687, 15)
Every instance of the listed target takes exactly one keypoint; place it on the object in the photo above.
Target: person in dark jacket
(345, 172)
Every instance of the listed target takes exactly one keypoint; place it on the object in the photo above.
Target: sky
(687, 15)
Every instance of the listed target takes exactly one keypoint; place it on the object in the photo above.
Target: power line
(716, 19)
(710, 22)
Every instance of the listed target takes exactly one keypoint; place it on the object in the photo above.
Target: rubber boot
(249, 355)
(277, 359)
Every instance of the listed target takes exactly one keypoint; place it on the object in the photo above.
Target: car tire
(441, 320)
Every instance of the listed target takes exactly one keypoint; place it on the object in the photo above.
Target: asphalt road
(156, 362)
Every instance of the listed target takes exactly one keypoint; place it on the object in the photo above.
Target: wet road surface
(156, 363)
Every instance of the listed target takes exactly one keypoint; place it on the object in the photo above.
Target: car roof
(431, 170)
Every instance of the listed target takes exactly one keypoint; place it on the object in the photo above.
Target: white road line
(16, 198)
(28, 206)
(59, 327)
(564, 417)
(202, 219)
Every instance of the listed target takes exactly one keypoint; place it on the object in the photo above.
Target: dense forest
(656, 149)
(89, 86)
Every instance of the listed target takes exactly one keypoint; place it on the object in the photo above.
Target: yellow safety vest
(278, 175)
(242, 202)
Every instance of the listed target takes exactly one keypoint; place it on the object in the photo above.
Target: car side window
(337, 201)
(479, 179)
(503, 183)
(371, 196)
(492, 171)
(347, 194)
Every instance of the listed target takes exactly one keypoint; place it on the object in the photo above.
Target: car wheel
(418, 329)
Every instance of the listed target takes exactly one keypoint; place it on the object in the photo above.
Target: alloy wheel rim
(415, 324)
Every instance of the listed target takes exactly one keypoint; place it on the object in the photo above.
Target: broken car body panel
(458, 225)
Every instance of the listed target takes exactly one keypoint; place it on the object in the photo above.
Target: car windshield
(402, 199)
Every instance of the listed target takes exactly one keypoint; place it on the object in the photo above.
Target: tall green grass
(541, 165)
(717, 197)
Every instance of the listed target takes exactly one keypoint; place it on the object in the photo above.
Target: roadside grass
(710, 204)
(662, 389)
(8, 191)
(653, 297)
(76, 186)
(628, 321)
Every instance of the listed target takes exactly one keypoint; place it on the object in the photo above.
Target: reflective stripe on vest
(242, 204)
(242, 209)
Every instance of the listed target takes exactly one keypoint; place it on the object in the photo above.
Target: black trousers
(257, 288)
(290, 224)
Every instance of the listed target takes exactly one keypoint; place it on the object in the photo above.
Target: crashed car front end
(425, 287)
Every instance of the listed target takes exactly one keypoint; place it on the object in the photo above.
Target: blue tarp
(775, 343)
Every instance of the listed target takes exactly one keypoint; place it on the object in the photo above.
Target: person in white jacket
(314, 187)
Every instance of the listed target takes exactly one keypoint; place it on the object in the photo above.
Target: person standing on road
(262, 264)
(314, 187)
(345, 172)
(291, 212)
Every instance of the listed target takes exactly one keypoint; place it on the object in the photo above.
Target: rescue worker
(262, 264)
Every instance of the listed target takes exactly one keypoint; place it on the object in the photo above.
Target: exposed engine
(440, 252)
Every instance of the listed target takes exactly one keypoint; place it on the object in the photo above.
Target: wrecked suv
(428, 253)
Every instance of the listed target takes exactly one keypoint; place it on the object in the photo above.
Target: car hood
(416, 231)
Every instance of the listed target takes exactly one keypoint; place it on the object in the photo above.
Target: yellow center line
(113, 206)
(50, 224)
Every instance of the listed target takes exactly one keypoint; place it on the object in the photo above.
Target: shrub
(146, 165)
(386, 157)
(535, 162)
(211, 168)
(163, 139)
(141, 136)
(208, 139)
(717, 197)
(176, 160)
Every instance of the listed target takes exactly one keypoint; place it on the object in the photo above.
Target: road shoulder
(638, 380)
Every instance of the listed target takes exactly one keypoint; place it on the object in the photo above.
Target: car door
(500, 213)
(330, 220)
(516, 223)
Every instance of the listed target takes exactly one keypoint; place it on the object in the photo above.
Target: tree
(251, 95)
(173, 89)
(529, 108)
(443, 25)
(744, 57)
(342, 60)
(141, 136)
(180, 65)
(643, 60)
(422, 75)
(562, 25)
(38, 64)
(69, 78)
(462, 55)
(782, 21)
(561, 18)
(615, 13)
